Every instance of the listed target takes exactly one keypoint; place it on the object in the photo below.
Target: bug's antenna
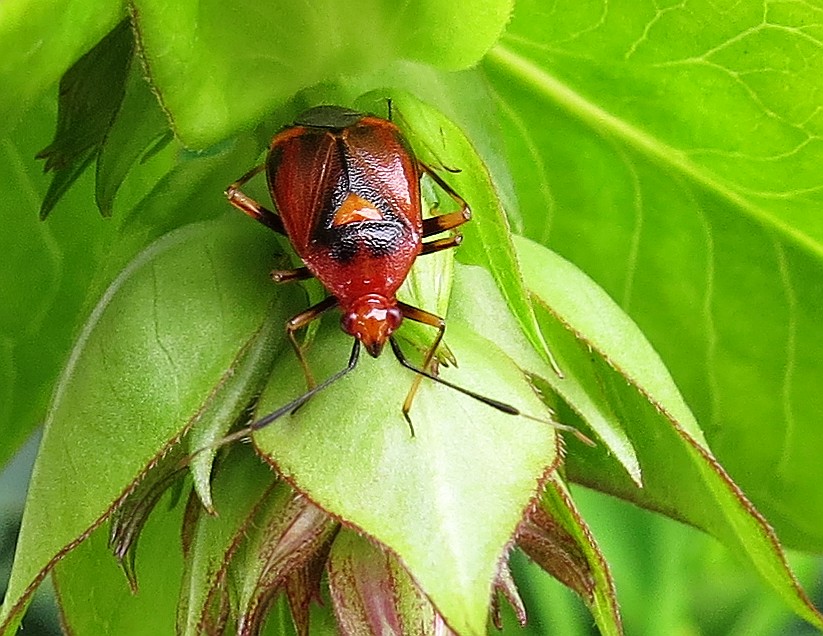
(495, 404)
(291, 407)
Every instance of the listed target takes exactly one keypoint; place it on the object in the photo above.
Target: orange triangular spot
(355, 208)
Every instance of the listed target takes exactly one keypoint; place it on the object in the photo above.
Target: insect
(346, 187)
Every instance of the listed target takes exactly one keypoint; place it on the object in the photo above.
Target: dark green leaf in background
(47, 285)
(72, 257)
(39, 41)
(91, 93)
(681, 477)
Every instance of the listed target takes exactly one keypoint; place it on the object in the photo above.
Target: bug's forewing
(304, 168)
(380, 159)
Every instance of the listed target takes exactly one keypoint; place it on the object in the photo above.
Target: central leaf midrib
(597, 118)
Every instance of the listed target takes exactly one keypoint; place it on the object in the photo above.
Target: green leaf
(89, 575)
(40, 40)
(587, 311)
(48, 287)
(442, 501)
(681, 477)
(440, 144)
(91, 92)
(283, 549)
(139, 123)
(241, 485)
(673, 155)
(263, 55)
(601, 597)
(235, 396)
(72, 257)
(163, 339)
(479, 303)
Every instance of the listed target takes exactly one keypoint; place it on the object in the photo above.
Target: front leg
(249, 206)
(443, 222)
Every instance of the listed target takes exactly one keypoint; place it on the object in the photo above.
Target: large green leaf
(259, 56)
(47, 283)
(446, 501)
(477, 302)
(164, 338)
(681, 477)
(673, 154)
(59, 268)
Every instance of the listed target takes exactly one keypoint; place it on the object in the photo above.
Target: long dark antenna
(495, 404)
(291, 407)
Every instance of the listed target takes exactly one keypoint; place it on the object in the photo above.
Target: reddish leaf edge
(218, 577)
(815, 617)
(541, 484)
(16, 611)
(559, 487)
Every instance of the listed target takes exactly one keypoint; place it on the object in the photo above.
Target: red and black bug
(346, 187)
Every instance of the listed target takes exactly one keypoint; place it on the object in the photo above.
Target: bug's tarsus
(424, 317)
(464, 207)
(441, 244)
(443, 222)
(409, 422)
(495, 404)
(500, 406)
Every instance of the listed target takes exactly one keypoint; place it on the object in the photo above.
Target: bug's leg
(249, 206)
(503, 407)
(289, 275)
(443, 222)
(291, 407)
(437, 224)
(298, 322)
(441, 244)
(426, 318)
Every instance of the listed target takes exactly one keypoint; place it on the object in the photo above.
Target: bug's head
(372, 319)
